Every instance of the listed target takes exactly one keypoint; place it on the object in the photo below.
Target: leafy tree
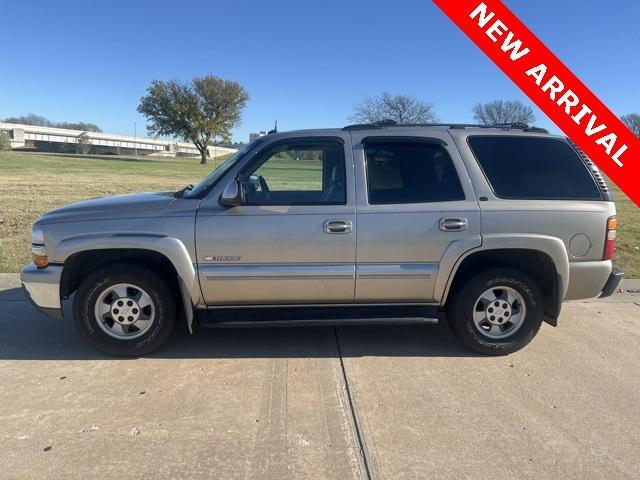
(84, 144)
(5, 142)
(632, 121)
(503, 111)
(199, 111)
(403, 109)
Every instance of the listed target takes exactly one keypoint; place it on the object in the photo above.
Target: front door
(293, 241)
(413, 209)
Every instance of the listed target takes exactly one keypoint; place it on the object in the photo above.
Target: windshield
(210, 180)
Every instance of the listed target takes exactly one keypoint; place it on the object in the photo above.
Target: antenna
(275, 129)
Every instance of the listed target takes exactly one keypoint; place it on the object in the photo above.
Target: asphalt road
(352, 402)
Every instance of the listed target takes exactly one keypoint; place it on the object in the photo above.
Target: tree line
(404, 109)
(40, 121)
(207, 109)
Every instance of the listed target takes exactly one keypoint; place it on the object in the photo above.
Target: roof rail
(392, 123)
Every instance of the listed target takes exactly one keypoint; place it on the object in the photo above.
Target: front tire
(124, 310)
(497, 312)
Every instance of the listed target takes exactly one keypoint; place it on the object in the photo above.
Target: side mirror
(233, 195)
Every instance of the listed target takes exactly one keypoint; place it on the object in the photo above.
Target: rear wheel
(124, 310)
(497, 312)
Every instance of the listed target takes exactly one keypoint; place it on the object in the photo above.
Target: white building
(60, 139)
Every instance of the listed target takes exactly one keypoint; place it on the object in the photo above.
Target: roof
(454, 126)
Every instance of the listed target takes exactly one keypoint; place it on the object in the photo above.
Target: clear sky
(303, 63)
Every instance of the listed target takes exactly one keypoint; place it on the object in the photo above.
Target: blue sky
(303, 63)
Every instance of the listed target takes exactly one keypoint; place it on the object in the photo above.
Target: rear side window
(410, 172)
(533, 168)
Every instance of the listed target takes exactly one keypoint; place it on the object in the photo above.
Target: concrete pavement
(352, 402)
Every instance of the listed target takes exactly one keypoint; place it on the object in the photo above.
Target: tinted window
(410, 173)
(533, 168)
(297, 174)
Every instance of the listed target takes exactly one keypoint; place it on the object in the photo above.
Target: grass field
(31, 184)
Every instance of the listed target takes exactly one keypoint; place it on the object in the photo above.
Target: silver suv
(491, 228)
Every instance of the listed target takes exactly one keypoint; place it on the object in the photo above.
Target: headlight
(38, 250)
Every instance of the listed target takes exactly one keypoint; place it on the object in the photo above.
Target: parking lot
(338, 403)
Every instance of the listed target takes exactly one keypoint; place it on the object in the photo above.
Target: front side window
(533, 168)
(410, 172)
(298, 174)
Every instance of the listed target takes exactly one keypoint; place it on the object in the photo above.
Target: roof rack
(391, 123)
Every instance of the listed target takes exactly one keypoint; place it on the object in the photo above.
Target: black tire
(94, 285)
(460, 310)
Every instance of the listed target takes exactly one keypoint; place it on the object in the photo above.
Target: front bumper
(612, 283)
(42, 286)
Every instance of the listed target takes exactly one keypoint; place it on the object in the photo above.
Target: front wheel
(124, 310)
(497, 312)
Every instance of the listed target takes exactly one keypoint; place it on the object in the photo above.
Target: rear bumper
(612, 283)
(587, 279)
(43, 288)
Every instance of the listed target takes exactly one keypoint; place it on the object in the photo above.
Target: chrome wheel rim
(499, 312)
(124, 311)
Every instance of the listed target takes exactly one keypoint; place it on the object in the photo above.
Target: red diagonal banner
(552, 86)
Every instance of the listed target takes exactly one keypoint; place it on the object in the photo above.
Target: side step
(318, 316)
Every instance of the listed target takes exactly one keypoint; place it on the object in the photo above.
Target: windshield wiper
(180, 193)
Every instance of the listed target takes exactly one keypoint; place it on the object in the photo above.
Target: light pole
(135, 139)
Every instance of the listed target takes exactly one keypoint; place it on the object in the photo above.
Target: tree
(503, 111)
(402, 109)
(84, 126)
(199, 111)
(40, 121)
(30, 119)
(5, 142)
(84, 144)
(632, 121)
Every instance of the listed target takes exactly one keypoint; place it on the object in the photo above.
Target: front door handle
(453, 224)
(338, 226)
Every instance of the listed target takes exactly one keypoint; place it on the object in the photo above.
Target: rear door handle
(453, 224)
(338, 226)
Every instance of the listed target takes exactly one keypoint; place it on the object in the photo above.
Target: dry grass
(31, 184)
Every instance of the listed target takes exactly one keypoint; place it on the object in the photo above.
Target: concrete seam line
(362, 447)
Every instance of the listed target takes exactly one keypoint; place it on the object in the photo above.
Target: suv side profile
(490, 228)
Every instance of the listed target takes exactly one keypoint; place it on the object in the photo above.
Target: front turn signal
(39, 256)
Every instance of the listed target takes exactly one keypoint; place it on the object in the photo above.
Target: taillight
(610, 239)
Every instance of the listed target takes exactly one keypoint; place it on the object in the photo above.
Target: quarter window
(410, 172)
(533, 168)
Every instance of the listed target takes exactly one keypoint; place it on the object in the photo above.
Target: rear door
(294, 240)
(415, 205)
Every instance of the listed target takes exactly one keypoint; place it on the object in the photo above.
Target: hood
(137, 204)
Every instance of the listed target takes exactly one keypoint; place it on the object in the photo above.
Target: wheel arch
(168, 255)
(544, 258)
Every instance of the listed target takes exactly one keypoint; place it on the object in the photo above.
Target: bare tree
(40, 121)
(503, 111)
(403, 109)
(30, 119)
(632, 121)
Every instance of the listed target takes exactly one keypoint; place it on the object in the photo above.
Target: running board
(320, 316)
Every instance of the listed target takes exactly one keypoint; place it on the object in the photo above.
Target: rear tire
(497, 312)
(124, 310)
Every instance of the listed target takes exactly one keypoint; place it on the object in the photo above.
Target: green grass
(31, 184)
